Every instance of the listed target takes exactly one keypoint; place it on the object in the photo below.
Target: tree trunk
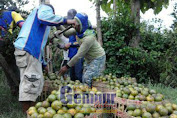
(135, 13)
(12, 73)
(99, 34)
(49, 57)
(114, 8)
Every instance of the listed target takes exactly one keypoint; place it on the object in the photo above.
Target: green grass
(169, 93)
(9, 105)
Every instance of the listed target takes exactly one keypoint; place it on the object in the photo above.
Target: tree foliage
(145, 5)
(8, 48)
(174, 25)
(7, 60)
(154, 60)
(5, 4)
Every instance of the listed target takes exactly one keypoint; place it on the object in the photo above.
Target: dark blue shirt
(7, 20)
(72, 50)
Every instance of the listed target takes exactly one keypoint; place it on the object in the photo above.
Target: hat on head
(71, 13)
(82, 19)
(85, 25)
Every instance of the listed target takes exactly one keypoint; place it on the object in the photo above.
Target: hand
(20, 24)
(75, 24)
(63, 70)
(67, 46)
(70, 22)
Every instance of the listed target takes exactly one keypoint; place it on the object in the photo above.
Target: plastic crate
(121, 114)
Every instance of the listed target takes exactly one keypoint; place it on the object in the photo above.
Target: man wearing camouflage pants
(89, 48)
(29, 52)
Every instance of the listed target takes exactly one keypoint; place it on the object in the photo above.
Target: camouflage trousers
(31, 76)
(93, 69)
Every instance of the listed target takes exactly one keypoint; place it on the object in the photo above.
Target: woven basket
(99, 85)
(47, 89)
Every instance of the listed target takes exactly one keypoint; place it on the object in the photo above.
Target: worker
(9, 19)
(76, 71)
(29, 51)
(89, 48)
(62, 41)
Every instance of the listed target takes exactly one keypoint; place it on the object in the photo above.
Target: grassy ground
(169, 93)
(10, 107)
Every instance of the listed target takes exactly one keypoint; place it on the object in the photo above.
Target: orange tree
(135, 7)
(7, 59)
(154, 59)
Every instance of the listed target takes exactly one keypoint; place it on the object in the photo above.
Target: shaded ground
(9, 105)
